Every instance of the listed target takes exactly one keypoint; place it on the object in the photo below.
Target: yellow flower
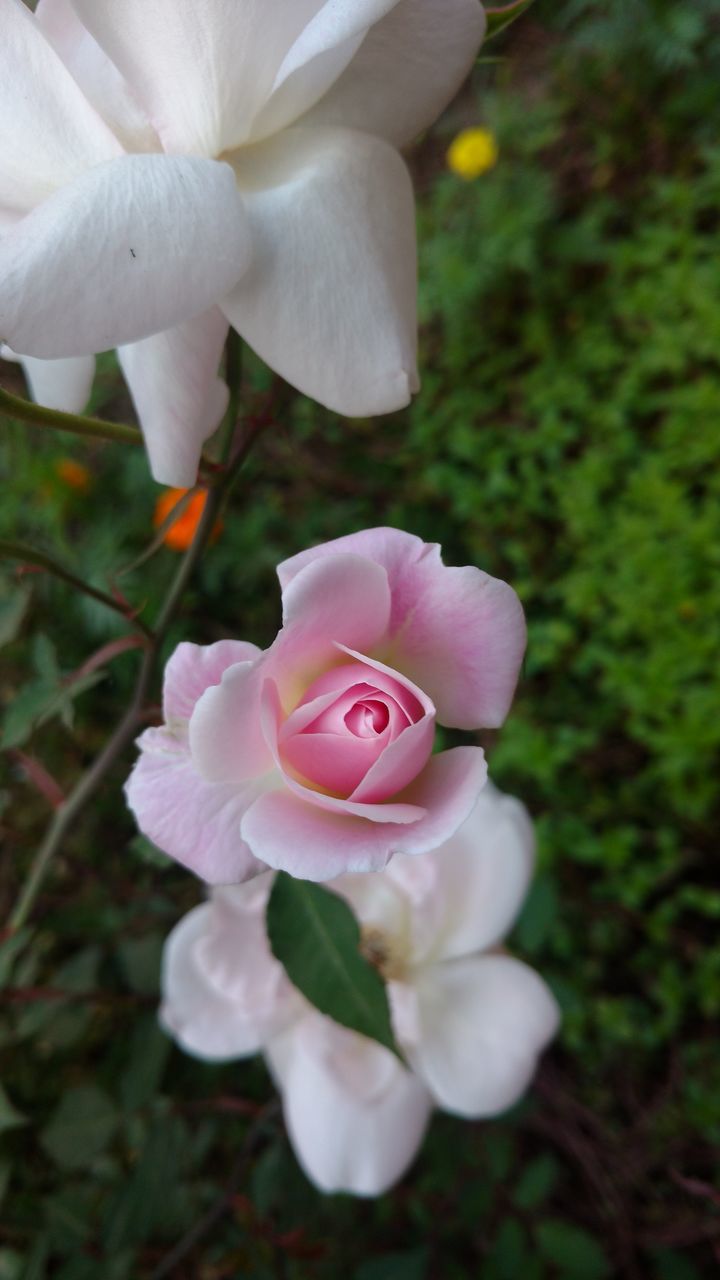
(73, 474)
(472, 153)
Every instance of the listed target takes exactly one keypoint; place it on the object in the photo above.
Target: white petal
(354, 1115)
(178, 396)
(50, 133)
(409, 67)
(97, 76)
(131, 247)
(223, 992)
(58, 384)
(481, 876)
(483, 1023)
(330, 301)
(317, 58)
(201, 74)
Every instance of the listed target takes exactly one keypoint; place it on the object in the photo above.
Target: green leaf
(10, 1117)
(315, 935)
(500, 18)
(81, 1127)
(12, 615)
(509, 1253)
(537, 1182)
(148, 1054)
(410, 1265)
(140, 959)
(41, 700)
(576, 1254)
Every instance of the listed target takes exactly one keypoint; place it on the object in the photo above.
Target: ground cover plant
(567, 439)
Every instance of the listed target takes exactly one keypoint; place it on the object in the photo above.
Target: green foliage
(315, 935)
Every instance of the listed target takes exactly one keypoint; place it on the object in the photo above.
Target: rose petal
(178, 396)
(223, 992)
(447, 789)
(193, 668)
(320, 54)
(97, 76)
(195, 822)
(162, 236)
(333, 221)
(407, 69)
(345, 1140)
(226, 735)
(57, 384)
(271, 718)
(458, 633)
(484, 1021)
(201, 82)
(310, 843)
(51, 134)
(486, 869)
(344, 600)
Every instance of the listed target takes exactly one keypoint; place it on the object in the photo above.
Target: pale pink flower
(169, 168)
(314, 757)
(471, 1020)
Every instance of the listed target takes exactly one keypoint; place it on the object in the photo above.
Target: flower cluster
(470, 1020)
(235, 168)
(316, 756)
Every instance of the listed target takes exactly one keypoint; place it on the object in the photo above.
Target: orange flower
(181, 532)
(73, 474)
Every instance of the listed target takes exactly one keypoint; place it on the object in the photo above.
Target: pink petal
(195, 822)
(447, 789)
(227, 743)
(483, 1023)
(398, 765)
(343, 600)
(193, 668)
(458, 633)
(178, 396)
(311, 843)
(330, 761)
(348, 1136)
(271, 718)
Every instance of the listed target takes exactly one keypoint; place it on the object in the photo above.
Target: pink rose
(470, 1019)
(315, 756)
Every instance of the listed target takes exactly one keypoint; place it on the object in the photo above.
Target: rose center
(383, 953)
(367, 719)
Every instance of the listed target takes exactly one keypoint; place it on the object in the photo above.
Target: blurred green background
(567, 438)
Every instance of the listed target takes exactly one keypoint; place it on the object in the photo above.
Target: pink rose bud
(316, 756)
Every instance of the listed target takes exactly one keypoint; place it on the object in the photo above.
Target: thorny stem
(124, 732)
(29, 555)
